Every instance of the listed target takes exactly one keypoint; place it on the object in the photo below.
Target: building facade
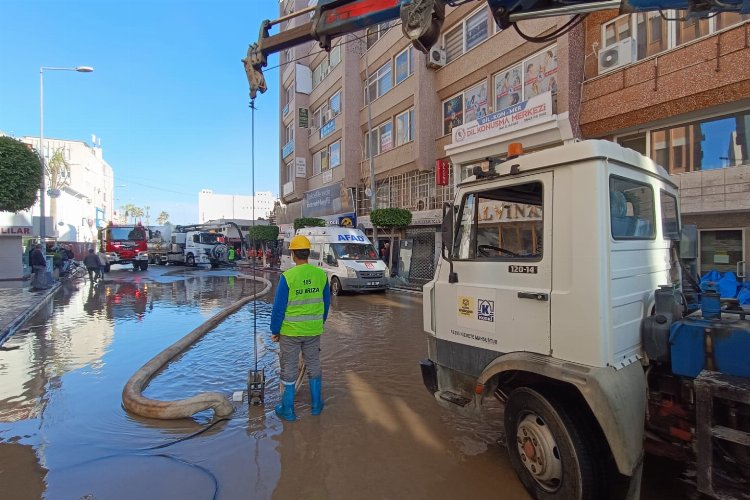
(212, 206)
(376, 108)
(679, 92)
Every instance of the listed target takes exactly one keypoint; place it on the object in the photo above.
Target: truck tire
(336, 287)
(144, 266)
(551, 448)
(190, 260)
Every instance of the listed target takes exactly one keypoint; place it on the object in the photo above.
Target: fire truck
(584, 332)
(125, 244)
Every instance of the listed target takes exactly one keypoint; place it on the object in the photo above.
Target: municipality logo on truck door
(486, 310)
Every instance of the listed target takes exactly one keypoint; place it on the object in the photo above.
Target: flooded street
(65, 435)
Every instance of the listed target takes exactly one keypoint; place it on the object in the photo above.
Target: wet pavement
(64, 433)
(18, 301)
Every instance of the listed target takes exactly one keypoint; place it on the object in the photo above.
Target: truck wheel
(551, 450)
(144, 266)
(336, 286)
(190, 260)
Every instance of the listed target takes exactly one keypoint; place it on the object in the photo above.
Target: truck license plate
(522, 269)
(372, 283)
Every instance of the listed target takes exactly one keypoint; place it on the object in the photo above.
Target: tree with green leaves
(301, 222)
(262, 235)
(390, 217)
(163, 218)
(20, 175)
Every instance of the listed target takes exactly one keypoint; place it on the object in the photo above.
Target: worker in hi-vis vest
(299, 310)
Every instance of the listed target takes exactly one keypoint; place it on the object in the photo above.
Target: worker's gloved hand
(275, 338)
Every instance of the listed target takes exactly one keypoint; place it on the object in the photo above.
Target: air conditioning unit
(436, 58)
(617, 55)
(422, 204)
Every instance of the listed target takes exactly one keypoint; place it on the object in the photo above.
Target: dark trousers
(93, 273)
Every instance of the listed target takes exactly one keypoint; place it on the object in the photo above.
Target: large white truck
(558, 293)
(189, 245)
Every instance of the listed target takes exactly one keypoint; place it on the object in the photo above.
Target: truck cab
(346, 255)
(550, 264)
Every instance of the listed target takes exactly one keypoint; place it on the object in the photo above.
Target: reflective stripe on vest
(305, 307)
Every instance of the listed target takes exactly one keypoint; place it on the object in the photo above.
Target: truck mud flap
(429, 375)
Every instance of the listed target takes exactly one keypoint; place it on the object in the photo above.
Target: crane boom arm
(422, 20)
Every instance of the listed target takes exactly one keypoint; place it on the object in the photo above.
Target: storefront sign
(304, 117)
(525, 114)
(300, 165)
(15, 230)
(328, 128)
(327, 200)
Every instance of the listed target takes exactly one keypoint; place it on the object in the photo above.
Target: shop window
(501, 224)
(703, 145)
(535, 75)
(721, 250)
(631, 209)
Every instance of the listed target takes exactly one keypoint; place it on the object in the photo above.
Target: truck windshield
(128, 233)
(354, 251)
(211, 238)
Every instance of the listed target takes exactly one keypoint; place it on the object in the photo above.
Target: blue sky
(168, 97)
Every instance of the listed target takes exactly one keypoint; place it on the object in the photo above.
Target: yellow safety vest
(304, 309)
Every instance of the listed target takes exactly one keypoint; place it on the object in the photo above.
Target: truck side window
(631, 209)
(315, 252)
(501, 224)
(329, 257)
(670, 223)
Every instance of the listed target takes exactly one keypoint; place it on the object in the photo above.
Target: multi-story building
(376, 107)
(80, 189)
(679, 92)
(674, 90)
(213, 206)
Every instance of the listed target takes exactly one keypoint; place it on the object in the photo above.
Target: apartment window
(320, 161)
(379, 83)
(334, 154)
(289, 133)
(689, 30)
(335, 103)
(382, 139)
(617, 31)
(404, 64)
(636, 142)
(469, 33)
(375, 33)
(326, 65)
(405, 127)
(290, 171)
(703, 145)
(467, 106)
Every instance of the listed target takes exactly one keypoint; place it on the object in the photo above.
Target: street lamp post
(42, 222)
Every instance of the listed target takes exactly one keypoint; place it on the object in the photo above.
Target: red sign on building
(442, 172)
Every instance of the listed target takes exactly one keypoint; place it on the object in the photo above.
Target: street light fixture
(79, 69)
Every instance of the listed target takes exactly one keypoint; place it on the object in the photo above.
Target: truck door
(502, 258)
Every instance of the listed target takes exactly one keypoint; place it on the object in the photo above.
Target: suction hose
(135, 402)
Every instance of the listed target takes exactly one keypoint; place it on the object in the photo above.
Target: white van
(347, 256)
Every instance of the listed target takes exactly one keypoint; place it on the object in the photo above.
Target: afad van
(346, 255)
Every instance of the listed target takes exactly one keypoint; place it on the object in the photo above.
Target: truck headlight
(351, 273)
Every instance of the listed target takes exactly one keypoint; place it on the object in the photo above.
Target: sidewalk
(18, 303)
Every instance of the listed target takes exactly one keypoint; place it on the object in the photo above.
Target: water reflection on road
(64, 433)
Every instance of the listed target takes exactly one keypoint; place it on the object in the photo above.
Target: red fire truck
(125, 244)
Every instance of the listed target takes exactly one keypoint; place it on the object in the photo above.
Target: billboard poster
(540, 73)
(453, 113)
(476, 102)
(508, 87)
(328, 200)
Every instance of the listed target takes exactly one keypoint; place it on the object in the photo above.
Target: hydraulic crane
(422, 20)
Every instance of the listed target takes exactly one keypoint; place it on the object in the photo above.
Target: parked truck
(125, 244)
(189, 245)
(580, 328)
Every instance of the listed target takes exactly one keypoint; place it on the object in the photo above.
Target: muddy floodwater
(65, 435)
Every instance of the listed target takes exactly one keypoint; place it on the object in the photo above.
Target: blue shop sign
(328, 128)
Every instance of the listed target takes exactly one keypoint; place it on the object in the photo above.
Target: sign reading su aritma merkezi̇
(536, 110)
